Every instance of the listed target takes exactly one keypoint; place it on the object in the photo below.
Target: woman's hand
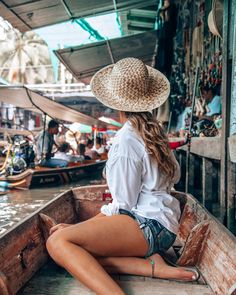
(58, 227)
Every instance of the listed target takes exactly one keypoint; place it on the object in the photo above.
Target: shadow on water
(15, 205)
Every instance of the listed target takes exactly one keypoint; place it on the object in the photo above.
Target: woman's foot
(164, 271)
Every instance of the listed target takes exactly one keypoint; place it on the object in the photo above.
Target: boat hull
(202, 241)
(59, 176)
(45, 177)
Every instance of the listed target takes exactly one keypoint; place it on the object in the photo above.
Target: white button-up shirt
(136, 183)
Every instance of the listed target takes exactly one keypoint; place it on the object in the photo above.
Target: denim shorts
(159, 238)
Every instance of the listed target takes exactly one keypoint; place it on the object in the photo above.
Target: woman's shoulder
(128, 143)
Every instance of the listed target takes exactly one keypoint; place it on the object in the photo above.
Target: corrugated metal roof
(26, 15)
(84, 61)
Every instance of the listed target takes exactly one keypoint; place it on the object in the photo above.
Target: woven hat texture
(130, 85)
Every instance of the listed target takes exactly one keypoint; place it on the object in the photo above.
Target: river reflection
(17, 204)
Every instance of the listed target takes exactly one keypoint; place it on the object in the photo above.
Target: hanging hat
(130, 85)
(215, 18)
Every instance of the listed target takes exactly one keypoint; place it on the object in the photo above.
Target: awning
(25, 98)
(110, 121)
(84, 61)
(28, 15)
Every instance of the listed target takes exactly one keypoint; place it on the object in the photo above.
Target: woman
(142, 221)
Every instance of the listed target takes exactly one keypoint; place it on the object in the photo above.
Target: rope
(88, 28)
(110, 51)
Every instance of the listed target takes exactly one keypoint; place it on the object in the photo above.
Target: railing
(203, 178)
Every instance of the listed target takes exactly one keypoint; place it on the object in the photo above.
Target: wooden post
(191, 173)
(207, 183)
(187, 170)
(231, 187)
(215, 181)
(233, 90)
(226, 89)
(231, 210)
(188, 166)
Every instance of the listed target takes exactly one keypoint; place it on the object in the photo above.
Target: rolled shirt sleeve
(124, 176)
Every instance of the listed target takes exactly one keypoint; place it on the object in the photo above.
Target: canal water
(15, 205)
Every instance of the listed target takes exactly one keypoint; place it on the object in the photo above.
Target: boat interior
(52, 280)
(202, 242)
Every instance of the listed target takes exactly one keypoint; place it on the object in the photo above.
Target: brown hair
(155, 140)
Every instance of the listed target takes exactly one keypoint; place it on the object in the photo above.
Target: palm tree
(24, 57)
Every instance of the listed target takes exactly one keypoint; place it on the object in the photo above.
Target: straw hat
(73, 133)
(215, 18)
(130, 85)
(70, 135)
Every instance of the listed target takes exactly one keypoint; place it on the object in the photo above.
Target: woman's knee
(55, 244)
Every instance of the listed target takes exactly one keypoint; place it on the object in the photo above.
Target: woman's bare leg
(143, 267)
(74, 248)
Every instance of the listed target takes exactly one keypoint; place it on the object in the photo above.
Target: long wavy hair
(155, 140)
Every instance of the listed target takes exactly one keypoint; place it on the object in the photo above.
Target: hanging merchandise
(211, 73)
(215, 18)
(197, 41)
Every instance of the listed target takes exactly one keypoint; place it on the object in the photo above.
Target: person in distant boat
(44, 145)
(99, 148)
(131, 233)
(63, 153)
(89, 153)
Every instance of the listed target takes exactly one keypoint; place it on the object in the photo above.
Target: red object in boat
(107, 196)
(175, 144)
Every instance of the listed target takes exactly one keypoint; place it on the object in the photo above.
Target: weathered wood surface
(231, 191)
(207, 188)
(194, 245)
(22, 249)
(216, 258)
(203, 247)
(83, 198)
(232, 148)
(53, 280)
(205, 243)
(208, 147)
(47, 224)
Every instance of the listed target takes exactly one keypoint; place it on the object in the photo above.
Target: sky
(71, 34)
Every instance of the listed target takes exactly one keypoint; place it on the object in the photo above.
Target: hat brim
(215, 18)
(158, 92)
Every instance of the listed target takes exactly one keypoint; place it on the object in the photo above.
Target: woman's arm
(124, 182)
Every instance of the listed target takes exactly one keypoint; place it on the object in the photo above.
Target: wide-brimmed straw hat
(73, 133)
(130, 85)
(215, 18)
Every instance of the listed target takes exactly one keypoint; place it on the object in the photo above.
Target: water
(15, 205)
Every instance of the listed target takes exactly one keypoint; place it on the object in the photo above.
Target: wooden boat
(42, 176)
(202, 242)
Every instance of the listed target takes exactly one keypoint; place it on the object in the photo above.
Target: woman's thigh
(117, 235)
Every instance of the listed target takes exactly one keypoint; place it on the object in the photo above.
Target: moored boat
(202, 242)
(44, 177)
